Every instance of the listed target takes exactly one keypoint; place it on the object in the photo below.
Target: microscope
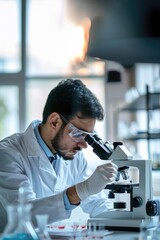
(130, 196)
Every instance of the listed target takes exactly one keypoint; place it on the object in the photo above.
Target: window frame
(18, 79)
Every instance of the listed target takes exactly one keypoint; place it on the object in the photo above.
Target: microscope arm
(121, 153)
(107, 151)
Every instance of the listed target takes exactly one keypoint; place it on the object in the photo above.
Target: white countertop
(114, 235)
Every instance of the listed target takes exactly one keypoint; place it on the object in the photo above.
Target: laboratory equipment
(42, 221)
(12, 218)
(131, 193)
(19, 226)
(148, 230)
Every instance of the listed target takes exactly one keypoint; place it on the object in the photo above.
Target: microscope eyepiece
(89, 139)
(101, 149)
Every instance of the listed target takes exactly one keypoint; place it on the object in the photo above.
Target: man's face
(68, 140)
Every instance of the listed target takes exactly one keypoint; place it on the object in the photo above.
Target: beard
(56, 144)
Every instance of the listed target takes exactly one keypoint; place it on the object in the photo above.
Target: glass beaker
(147, 229)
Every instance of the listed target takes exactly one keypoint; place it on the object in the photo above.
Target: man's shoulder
(10, 140)
(16, 138)
(15, 141)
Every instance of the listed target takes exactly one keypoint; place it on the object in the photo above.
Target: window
(12, 92)
(10, 41)
(41, 46)
(8, 110)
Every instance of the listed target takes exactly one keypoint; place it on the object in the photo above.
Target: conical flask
(19, 225)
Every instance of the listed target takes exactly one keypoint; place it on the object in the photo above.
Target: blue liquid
(18, 236)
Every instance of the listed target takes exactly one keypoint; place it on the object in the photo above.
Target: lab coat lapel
(36, 154)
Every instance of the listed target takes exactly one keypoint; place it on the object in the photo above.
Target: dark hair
(71, 96)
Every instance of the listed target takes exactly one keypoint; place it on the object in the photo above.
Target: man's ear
(54, 120)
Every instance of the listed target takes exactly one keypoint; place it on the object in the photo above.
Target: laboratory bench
(114, 235)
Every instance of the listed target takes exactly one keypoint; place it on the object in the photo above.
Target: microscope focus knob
(153, 208)
(111, 195)
(137, 202)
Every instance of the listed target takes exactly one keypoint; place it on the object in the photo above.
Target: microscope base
(117, 224)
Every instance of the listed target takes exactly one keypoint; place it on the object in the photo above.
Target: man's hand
(103, 175)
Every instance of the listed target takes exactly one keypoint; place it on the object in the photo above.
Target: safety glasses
(75, 133)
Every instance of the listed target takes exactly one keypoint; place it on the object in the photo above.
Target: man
(47, 159)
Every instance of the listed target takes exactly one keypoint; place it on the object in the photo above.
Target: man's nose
(83, 144)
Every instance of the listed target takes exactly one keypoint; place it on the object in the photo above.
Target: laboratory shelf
(142, 103)
(142, 136)
(150, 104)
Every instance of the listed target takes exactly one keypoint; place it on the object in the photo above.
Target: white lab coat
(24, 163)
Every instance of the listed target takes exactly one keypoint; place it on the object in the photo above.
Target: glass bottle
(12, 218)
(25, 229)
(147, 229)
(156, 235)
(42, 232)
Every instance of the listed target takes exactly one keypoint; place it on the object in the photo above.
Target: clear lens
(76, 134)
